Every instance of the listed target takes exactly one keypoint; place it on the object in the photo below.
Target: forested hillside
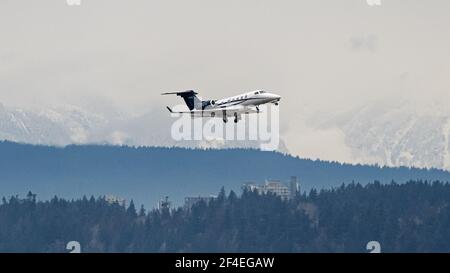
(410, 217)
(147, 174)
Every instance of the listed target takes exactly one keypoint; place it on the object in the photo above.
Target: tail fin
(190, 98)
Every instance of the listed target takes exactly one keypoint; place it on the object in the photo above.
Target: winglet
(170, 110)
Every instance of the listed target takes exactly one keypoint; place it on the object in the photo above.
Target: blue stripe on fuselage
(236, 102)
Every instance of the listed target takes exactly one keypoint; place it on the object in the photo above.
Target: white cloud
(368, 42)
(318, 142)
(128, 52)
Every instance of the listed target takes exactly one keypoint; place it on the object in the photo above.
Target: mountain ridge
(147, 174)
(63, 125)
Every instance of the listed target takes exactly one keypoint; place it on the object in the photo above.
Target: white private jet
(228, 107)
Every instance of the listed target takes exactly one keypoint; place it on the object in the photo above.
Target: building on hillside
(294, 186)
(112, 199)
(276, 187)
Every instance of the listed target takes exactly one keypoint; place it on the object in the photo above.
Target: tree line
(407, 217)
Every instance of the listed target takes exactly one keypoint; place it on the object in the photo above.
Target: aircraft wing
(212, 112)
(239, 109)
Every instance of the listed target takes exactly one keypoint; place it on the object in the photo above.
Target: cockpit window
(261, 92)
(256, 93)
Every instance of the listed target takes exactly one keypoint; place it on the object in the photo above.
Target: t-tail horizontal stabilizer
(182, 93)
(189, 97)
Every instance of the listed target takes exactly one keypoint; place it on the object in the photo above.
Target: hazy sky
(318, 55)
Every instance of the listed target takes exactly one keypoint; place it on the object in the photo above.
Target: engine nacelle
(207, 103)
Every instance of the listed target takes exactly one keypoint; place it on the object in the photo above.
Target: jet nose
(274, 96)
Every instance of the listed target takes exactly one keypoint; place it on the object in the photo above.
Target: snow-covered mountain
(68, 124)
(410, 134)
(50, 126)
(379, 133)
